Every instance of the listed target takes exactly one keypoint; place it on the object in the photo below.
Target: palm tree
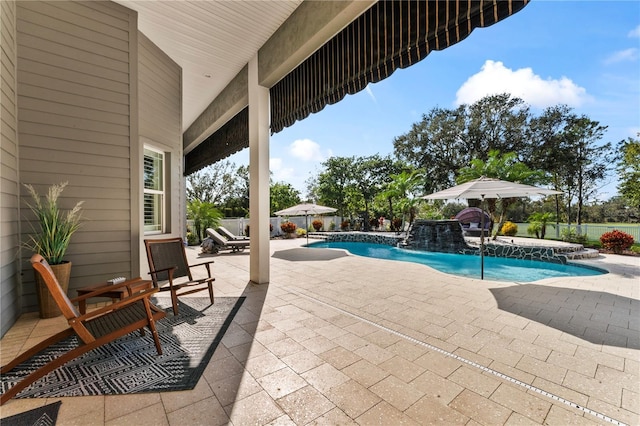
(403, 187)
(504, 167)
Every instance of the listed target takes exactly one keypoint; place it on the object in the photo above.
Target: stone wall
(436, 235)
(445, 237)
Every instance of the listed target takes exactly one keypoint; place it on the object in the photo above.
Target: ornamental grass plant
(56, 227)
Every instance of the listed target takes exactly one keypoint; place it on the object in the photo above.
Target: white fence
(592, 231)
(238, 225)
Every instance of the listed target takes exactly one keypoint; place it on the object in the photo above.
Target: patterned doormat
(131, 364)
(41, 416)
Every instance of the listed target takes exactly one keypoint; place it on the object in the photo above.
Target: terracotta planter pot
(46, 304)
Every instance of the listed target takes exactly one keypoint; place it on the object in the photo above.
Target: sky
(585, 54)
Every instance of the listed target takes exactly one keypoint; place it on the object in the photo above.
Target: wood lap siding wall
(75, 100)
(10, 305)
(160, 109)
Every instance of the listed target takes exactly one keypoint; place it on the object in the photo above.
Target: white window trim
(162, 193)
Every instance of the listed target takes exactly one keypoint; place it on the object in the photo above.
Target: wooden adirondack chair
(93, 329)
(168, 262)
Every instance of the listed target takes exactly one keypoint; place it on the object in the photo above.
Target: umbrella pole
(307, 229)
(482, 239)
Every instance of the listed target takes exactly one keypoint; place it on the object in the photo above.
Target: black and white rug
(131, 364)
(41, 416)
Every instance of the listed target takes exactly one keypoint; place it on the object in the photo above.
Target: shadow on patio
(595, 316)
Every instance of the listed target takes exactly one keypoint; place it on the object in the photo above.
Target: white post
(258, 177)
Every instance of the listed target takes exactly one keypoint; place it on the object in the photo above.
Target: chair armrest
(144, 294)
(202, 264)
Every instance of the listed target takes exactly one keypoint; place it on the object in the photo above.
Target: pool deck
(342, 339)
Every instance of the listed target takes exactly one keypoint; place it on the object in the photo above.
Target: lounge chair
(229, 235)
(223, 243)
(168, 262)
(93, 329)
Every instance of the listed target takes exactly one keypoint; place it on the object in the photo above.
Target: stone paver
(351, 340)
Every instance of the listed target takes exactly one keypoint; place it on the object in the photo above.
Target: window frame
(160, 226)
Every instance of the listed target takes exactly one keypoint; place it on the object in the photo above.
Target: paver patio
(336, 339)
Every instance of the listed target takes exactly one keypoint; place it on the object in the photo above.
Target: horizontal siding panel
(31, 89)
(106, 151)
(77, 19)
(120, 237)
(69, 121)
(60, 133)
(69, 64)
(100, 268)
(159, 72)
(76, 112)
(77, 38)
(75, 82)
(98, 164)
(93, 86)
(70, 54)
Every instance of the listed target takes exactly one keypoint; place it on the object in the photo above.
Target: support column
(258, 176)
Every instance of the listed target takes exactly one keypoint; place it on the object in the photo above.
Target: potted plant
(51, 239)
(289, 228)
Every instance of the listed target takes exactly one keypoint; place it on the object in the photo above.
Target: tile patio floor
(341, 340)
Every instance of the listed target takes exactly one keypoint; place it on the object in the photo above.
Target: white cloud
(495, 78)
(634, 32)
(307, 150)
(279, 173)
(630, 54)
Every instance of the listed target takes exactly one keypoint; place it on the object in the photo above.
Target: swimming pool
(495, 268)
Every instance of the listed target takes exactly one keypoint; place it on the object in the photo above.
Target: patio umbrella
(484, 187)
(305, 210)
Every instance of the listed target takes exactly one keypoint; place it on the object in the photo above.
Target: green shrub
(617, 241)
(509, 228)
(570, 235)
(192, 239)
(332, 226)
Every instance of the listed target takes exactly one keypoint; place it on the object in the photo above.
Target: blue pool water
(495, 268)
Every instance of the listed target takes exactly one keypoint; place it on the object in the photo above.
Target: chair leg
(152, 326)
(174, 301)
(211, 292)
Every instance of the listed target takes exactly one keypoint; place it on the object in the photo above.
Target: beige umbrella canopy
(484, 187)
(305, 210)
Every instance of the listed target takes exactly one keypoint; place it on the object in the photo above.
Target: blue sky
(585, 54)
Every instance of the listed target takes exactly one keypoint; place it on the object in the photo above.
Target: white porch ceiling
(211, 40)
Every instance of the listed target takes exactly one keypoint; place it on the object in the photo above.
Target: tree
(370, 176)
(237, 203)
(589, 161)
(505, 167)
(213, 184)
(628, 167)
(436, 145)
(447, 140)
(204, 215)
(282, 196)
(332, 185)
(404, 187)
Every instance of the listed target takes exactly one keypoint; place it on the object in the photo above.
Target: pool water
(495, 268)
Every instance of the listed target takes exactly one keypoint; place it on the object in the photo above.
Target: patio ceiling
(211, 40)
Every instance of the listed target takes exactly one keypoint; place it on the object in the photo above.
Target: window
(153, 191)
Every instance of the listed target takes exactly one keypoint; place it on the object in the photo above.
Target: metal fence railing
(592, 231)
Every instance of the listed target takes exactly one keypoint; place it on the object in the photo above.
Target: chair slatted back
(41, 266)
(167, 253)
